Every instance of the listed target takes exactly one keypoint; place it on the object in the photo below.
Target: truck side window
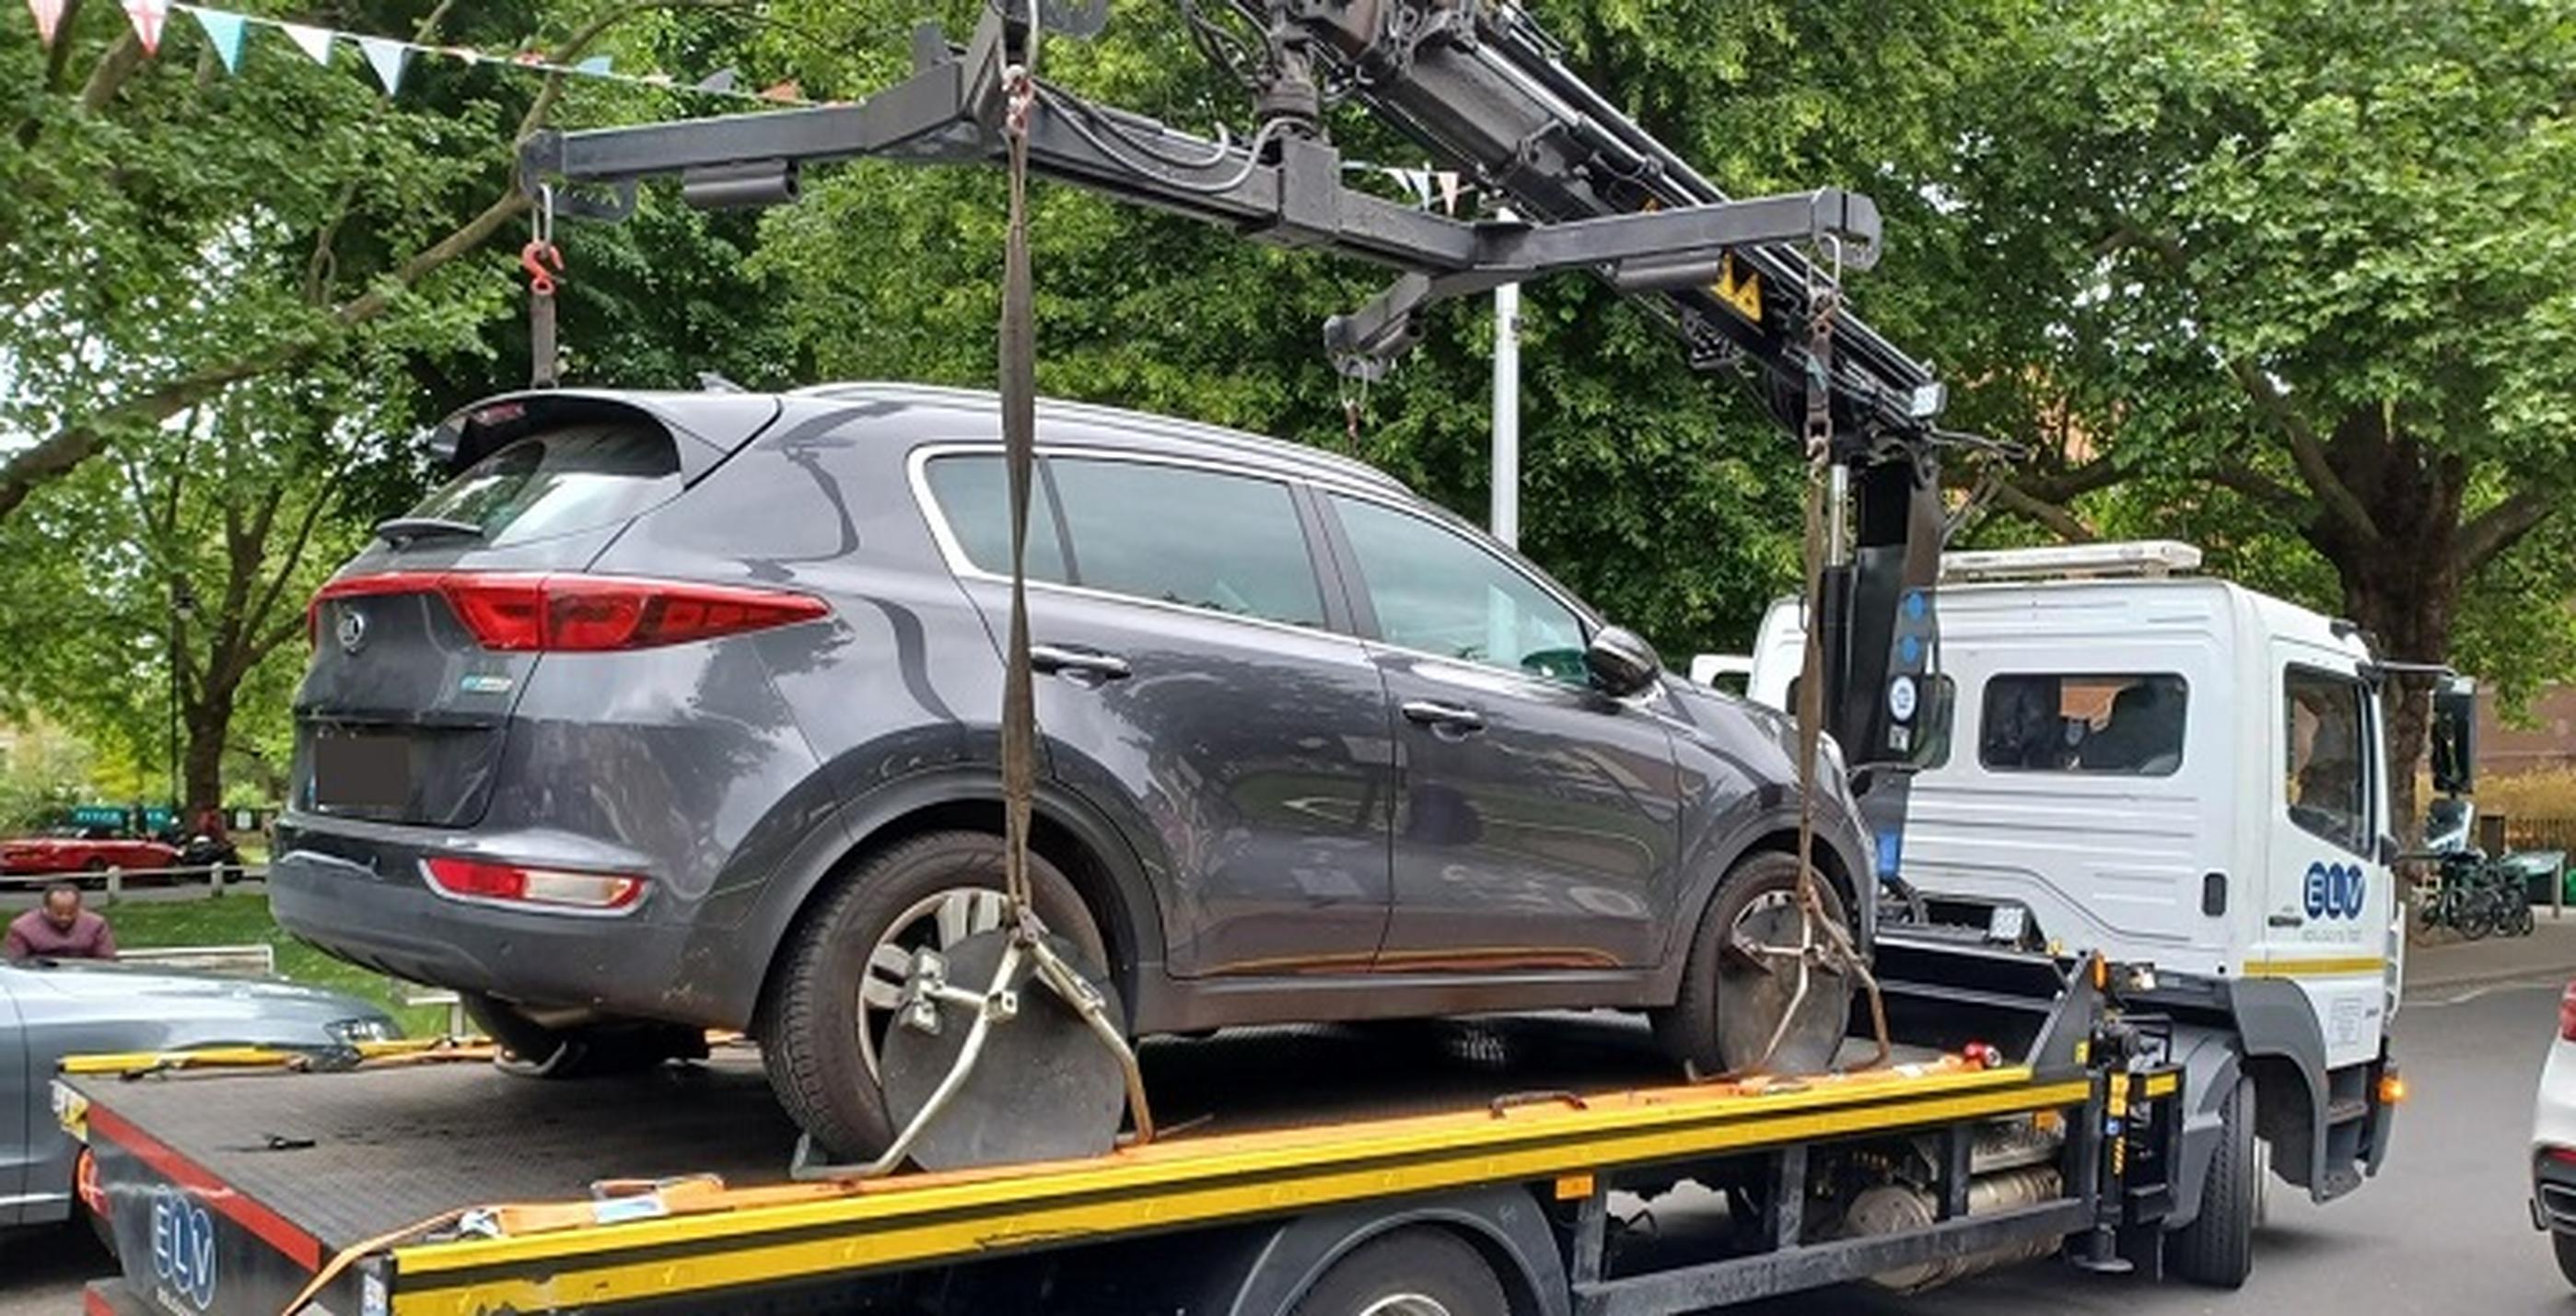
(2126, 725)
(2328, 786)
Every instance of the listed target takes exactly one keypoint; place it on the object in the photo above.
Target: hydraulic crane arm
(1484, 92)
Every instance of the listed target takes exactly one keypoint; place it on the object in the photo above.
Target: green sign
(120, 817)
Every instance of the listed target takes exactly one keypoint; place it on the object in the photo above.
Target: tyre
(532, 1050)
(1419, 1270)
(835, 991)
(2565, 1246)
(1729, 1005)
(2217, 1248)
(2522, 924)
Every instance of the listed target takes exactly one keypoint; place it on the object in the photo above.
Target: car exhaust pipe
(1904, 1209)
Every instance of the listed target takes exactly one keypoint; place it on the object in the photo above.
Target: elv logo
(183, 1247)
(2334, 890)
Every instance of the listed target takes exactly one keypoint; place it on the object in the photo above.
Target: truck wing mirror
(2455, 736)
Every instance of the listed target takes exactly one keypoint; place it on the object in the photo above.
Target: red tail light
(2567, 1014)
(522, 612)
(478, 879)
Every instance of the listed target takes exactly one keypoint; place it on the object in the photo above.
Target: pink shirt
(34, 936)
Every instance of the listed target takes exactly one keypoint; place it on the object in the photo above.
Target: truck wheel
(835, 992)
(2217, 1247)
(531, 1050)
(1729, 1005)
(1421, 1270)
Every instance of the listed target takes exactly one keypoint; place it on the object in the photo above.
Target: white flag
(314, 41)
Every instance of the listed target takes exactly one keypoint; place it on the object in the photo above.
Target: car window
(578, 477)
(1226, 543)
(2128, 725)
(1440, 592)
(2328, 775)
(973, 492)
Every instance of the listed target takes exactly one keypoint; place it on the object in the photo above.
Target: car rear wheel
(1731, 1001)
(2565, 1246)
(835, 994)
(532, 1050)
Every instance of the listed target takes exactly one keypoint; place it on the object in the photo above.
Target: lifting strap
(994, 1006)
(1824, 942)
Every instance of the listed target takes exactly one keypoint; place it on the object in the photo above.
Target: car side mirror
(1620, 661)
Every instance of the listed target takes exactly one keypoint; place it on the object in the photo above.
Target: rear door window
(579, 477)
(2130, 725)
(1173, 534)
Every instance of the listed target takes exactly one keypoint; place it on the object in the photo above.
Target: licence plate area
(190, 1245)
(361, 770)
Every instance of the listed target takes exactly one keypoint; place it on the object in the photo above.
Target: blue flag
(596, 65)
(225, 30)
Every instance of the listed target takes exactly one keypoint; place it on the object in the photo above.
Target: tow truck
(2016, 1103)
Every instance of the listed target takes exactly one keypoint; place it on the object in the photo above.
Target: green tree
(2295, 273)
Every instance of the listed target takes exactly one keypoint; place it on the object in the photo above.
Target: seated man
(59, 930)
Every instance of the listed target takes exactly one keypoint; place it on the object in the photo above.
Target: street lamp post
(183, 606)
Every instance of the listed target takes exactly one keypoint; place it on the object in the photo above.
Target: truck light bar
(2148, 557)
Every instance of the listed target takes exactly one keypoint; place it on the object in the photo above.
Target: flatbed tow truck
(1554, 1154)
(2015, 1104)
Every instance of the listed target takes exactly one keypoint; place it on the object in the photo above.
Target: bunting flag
(147, 17)
(387, 57)
(314, 41)
(49, 16)
(225, 31)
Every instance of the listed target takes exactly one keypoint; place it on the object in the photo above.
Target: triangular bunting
(720, 80)
(225, 31)
(314, 41)
(49, 16)
(790, 90)
(387, 57)
(1449, 190)
(147, 17)
(596, 66)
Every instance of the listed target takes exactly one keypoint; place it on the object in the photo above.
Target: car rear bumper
(363, 899)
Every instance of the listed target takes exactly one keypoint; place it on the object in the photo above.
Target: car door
(1194, 685)
(2327, 901)
(21, 1095)
(1537, 824)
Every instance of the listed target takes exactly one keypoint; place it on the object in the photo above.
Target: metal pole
(1506, 514)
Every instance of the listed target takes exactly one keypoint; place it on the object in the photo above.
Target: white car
(2553, 1141)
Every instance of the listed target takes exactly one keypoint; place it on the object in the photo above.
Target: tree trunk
(209, 721)
(2401, 584)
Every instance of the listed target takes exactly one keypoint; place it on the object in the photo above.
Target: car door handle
(1055, 658)
(1433, 713)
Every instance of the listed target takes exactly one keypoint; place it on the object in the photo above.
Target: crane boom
(1484, 91)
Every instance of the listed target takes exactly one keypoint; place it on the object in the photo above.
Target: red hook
(536, 258)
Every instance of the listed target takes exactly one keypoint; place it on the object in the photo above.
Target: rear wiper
(403, 529)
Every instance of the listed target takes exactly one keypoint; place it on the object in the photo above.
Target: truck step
(2346, 1109)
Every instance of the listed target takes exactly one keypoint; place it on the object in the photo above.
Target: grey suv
(674, 711)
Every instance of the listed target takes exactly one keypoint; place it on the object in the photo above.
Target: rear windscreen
(579, 477)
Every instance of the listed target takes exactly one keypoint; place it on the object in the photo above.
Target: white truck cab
(2174, 770)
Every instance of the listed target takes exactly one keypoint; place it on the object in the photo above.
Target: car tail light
(480, 879)
(2567, 1014)
(526, 613)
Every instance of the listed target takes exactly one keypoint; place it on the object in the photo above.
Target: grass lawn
(240, 919)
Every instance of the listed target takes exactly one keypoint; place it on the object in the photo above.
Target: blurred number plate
(361, 771)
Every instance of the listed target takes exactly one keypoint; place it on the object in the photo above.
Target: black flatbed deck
(349, 1156)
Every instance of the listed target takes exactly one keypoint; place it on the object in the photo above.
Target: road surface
(2441, 1231)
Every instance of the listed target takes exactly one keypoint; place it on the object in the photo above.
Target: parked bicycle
(2470, 893)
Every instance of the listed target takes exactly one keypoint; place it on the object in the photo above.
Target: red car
(82, 850)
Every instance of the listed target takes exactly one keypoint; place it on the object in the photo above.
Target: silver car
(50, 1009)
